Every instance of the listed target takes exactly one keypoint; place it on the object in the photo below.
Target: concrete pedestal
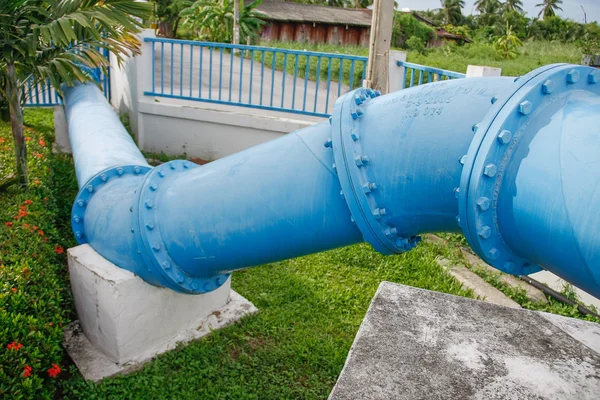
(417, 344)
(123, 321)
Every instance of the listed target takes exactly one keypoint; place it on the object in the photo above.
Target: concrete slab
(126, 321)
(418, 344)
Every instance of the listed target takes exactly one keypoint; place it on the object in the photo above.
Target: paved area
(227, 77)
(418, 344)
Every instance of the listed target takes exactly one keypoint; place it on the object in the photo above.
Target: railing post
(474, 71)
(396, 73)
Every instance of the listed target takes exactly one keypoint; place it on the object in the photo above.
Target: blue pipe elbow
(512, 163)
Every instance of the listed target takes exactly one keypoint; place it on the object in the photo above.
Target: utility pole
(379, 45)
(236, 21)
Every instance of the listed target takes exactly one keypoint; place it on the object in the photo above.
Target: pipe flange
(359, 188)
(156, 255)
(91, 187)
(496, 139)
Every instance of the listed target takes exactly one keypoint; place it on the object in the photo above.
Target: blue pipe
(512, 163)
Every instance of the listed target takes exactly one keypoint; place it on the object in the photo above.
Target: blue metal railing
(44, 95)
(416, 74)
(294, 81)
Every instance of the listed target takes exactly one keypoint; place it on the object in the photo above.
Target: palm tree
(59, 41)
(452, 10)
(483, 5)
(513, 5)
(549, 8)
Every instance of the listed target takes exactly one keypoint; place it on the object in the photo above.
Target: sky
(571, 8)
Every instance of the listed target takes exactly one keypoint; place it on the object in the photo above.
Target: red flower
(41, 232)
(26, 270)
(42, 143)
(9, 224)
(26, 226)
(1, 140)
(27, 139)
(54, 371)
(14, 346)
(28, 202)
(14, 289)
(36, 182)
(27, 371)
(35, 227)
(45, 199)
(58, 249)
(22, 213)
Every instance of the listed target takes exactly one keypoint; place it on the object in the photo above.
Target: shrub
(416, 44)
(35, 300)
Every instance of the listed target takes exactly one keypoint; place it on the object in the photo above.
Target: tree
(167, 14)
(59, 41)
(508, 44)
(484, 6)
(513, 5)
(549, 8)
(452, 10)
(489, 12)
(212, 20)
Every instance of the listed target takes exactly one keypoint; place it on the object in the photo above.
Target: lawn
(295, 347)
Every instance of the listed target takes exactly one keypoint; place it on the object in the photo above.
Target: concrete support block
(126, 321)
(395, 73)
(61, 131)
(474, 71)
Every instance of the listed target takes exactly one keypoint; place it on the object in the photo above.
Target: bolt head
(76, 219)
(78, 235)
(136, 170)
(462, 160)
(103, 177)
(120, 171)
(355, 136)
(186, 165)
(220, 280)
(493, 254)
(156, 246)
(149, 204)
(525, 107)
(153, 187)
(390, 231)
(457, 218)
(89, 188)
(573, 76)
(161, 174)
(490, 170)
(456, 192)
(593, 77)
(172, 165)
(358, 100)
(475, 127)
(364, 159)
(483, 203)
(494, 99)
(80, 203)
(166, 265)
(149, 226)
(179, 277)
(548, 87)
(504, 137)
(484, 232)
(328, 143)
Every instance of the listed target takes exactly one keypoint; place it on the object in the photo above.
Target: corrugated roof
(295, 12)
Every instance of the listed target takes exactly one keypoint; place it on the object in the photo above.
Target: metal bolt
(572, 76)
(593, 77)
(390, 231)
(475, 127)
(207, 287)
(363, 97)
(166, 265)
(76, 219)
(172, 165)
(78, 235)
(361, 160)
(401, 242)
(357, 113)
(161, 173)
(377, 93)
(456, 192)
(548, 87)
(89, 188)
(80, 203)
(328, 143)
(153, 187)
(334, 167)
(493, 254)
(525, 107)
(149, 204)
(156, 246)
(378, 212)
(186, 165)
(136, 170)
(103, 177)
(483, 203)
(369, 186)
(120, 171)
(462, 159)
(354, 136)
(330, 120)
(494, 99)
(358, 100)
(484, 232)
(194, 286)
(504, 137)
(342, 193)
(457, 218)
(490, 170)
(150, 226)
(179, 277)
(220, 280)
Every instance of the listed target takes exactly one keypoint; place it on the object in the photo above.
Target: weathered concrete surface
(417, 344)
(470, 280)
(125, 321)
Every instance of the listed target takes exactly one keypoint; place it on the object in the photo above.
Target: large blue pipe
(512, 163)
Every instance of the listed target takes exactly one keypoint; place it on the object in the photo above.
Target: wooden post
(236, 21)
(379, 45)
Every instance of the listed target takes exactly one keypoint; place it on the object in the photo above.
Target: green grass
(532, 55)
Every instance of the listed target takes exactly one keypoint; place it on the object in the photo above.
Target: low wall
(196, 130)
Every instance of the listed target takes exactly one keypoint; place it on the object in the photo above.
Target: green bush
(35, 303)
(406, 27)
(416, 44)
